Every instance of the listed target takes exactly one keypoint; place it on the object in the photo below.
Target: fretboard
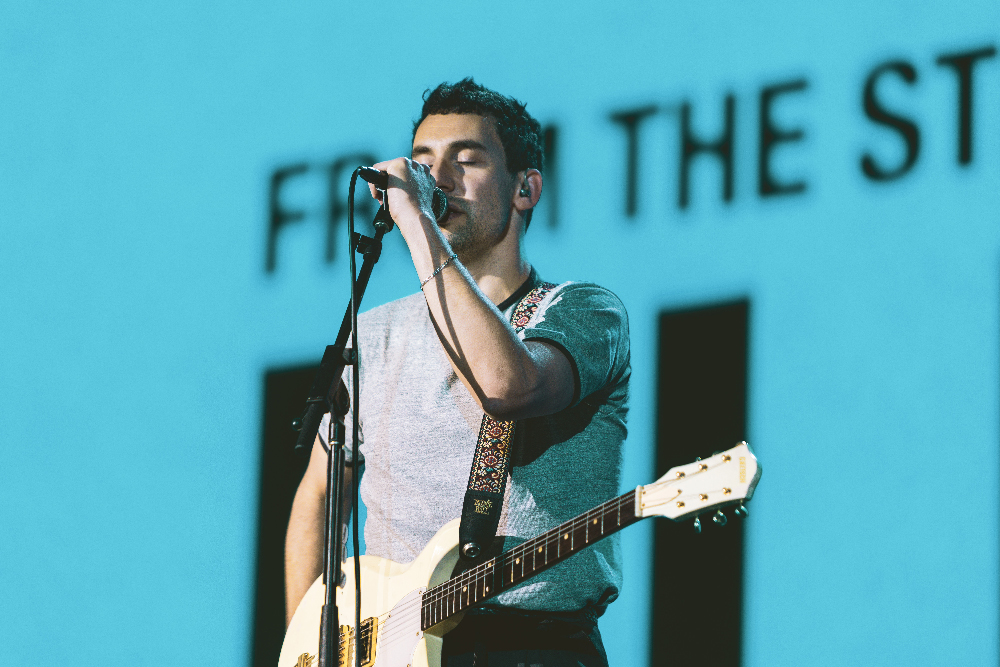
(482, 582)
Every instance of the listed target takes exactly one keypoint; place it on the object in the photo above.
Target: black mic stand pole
(323, 397)
(333, 549)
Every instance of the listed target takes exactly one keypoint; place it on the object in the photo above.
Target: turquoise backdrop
(137, 141)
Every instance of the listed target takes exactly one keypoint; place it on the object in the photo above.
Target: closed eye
(468, 156)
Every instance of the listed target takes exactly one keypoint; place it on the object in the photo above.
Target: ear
(528, 190)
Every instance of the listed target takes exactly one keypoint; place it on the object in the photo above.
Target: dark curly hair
(520, 134)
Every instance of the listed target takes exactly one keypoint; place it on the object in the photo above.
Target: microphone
(380, 180)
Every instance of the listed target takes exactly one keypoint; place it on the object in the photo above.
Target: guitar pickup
(367, 643)
(346, 643)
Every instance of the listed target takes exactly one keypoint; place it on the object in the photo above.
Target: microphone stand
(323, 397)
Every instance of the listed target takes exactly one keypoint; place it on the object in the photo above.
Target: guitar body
(387, 588)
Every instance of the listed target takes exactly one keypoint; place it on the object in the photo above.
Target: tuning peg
(719, 518)
(697, 524)
(741, 511)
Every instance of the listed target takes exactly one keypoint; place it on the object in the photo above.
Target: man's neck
(500, 279)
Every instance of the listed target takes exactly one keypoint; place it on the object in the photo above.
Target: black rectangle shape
(285, 393)
(701, 408)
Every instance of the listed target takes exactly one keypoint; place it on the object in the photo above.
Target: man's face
(467, 159)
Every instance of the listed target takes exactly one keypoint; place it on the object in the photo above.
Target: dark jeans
(525, 639)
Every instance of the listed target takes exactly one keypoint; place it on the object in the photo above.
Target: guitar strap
(491, 461)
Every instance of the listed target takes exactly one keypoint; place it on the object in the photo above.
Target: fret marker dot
(517, 561)
(539, 550)
(595, 522)
(566, 536)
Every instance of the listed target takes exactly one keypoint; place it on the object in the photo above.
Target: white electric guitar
(407, 609)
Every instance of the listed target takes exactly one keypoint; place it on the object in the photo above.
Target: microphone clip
(383, 221)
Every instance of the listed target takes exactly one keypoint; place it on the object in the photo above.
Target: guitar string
(473, 576)
(446, 590)
(449, 588)
(544, 540)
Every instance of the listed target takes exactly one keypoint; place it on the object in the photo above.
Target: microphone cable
(356, 395)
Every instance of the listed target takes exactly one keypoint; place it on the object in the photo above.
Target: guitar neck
(516, 565)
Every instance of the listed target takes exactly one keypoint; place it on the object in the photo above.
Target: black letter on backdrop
(551, 173)
(962, 64)
(722, 147)
(278, 216)
(906, 128)
(630, 121)
(771, 135)
(364, 206)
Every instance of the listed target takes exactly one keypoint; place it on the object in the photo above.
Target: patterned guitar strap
(491, 462)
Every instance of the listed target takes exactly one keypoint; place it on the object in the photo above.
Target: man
(432, 364)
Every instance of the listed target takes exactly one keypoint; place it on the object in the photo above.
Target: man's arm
(304, 540)
(509, 379)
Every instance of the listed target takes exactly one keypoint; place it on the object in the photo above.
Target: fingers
(405, 174)
(403, 169)
(390, 168)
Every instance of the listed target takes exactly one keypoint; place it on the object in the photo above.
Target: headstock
(724, 479)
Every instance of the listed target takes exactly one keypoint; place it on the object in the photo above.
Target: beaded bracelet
(438, 270)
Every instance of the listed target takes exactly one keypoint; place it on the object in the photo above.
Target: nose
(444, 175)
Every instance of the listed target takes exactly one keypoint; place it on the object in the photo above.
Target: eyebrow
(453, 146)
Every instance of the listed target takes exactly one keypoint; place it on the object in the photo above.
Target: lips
(453, 210)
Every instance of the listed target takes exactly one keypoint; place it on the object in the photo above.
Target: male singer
(432, 363)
